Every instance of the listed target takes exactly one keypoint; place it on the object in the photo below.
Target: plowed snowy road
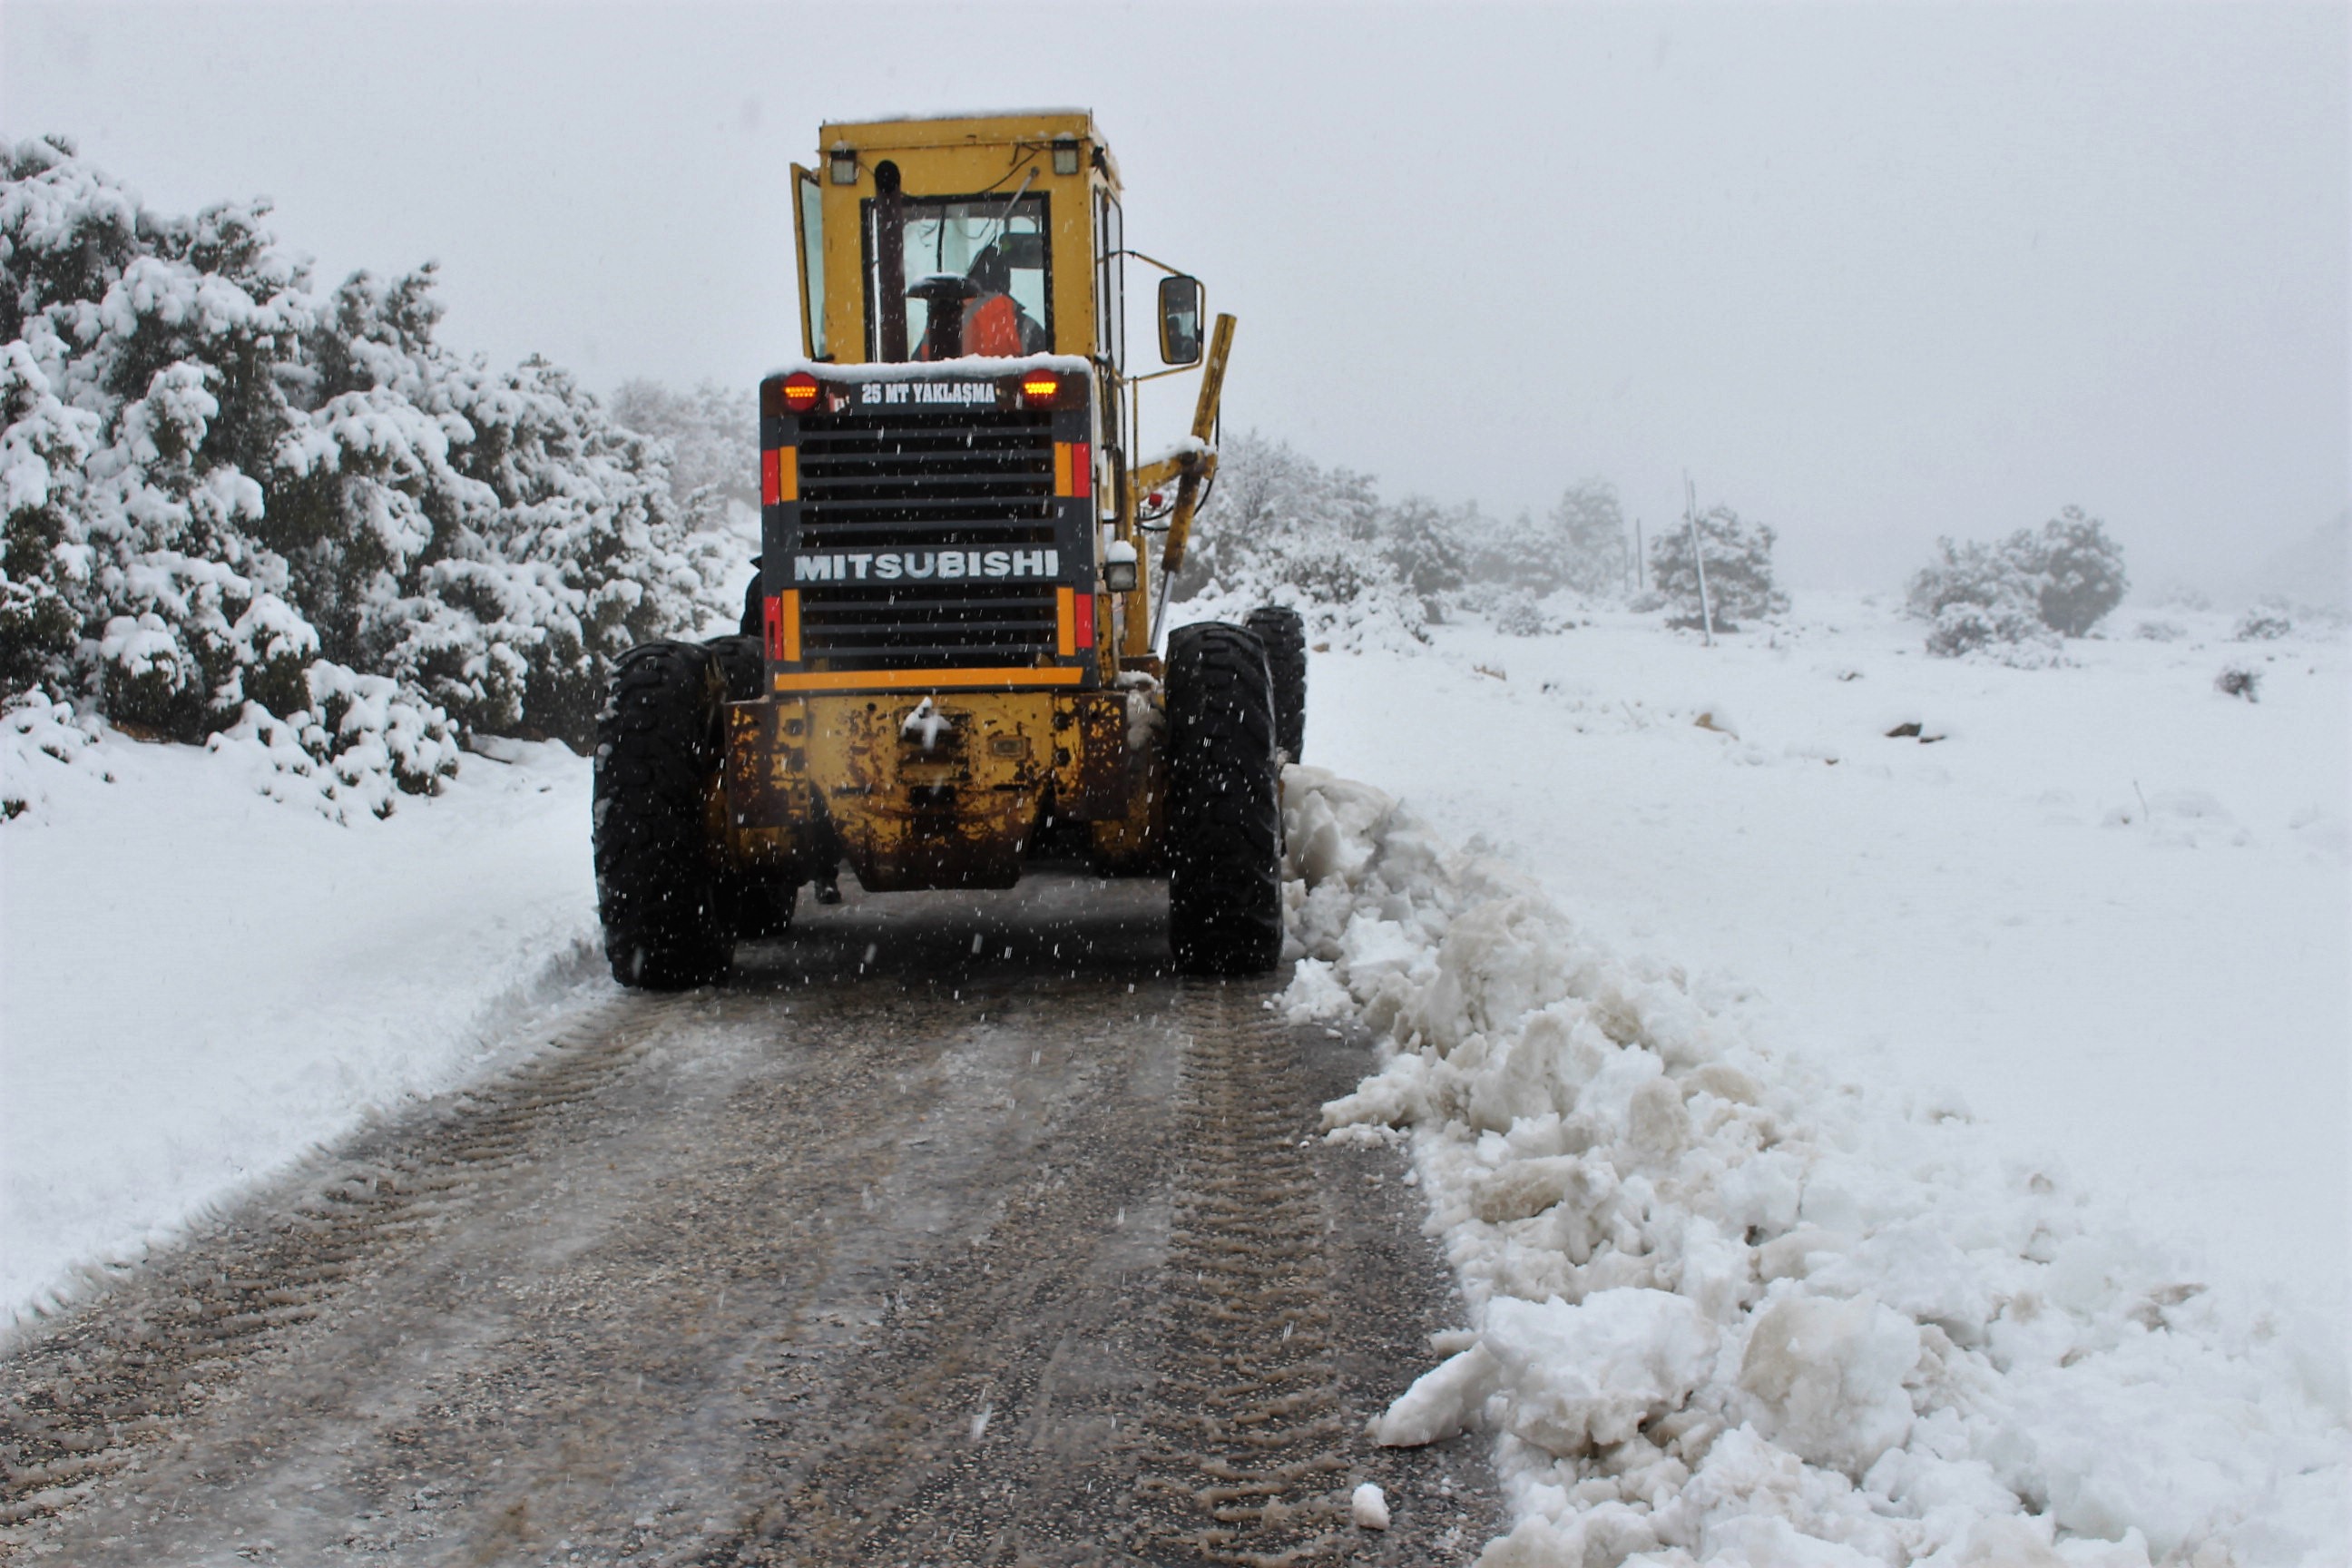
(1009, 1250)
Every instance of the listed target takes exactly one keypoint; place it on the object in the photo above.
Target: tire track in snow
(1253, 1463)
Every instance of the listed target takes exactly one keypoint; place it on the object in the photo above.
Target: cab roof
(960, 129)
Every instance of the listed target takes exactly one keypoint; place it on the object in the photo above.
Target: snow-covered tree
(2081, 570)
(1589, 528)
(1424, 546)
(1739, 554)
(227, 491)
(2014, 600)
(1983, 599)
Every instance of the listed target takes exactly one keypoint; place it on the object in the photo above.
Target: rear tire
(1224, 805)
(1284, 637)
(658, 748)
(755, 907)
(742, 664)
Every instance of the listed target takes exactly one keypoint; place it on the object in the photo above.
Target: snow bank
(198, 986)
(1730, 1312)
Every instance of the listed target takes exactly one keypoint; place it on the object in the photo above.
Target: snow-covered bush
(226, 490)
(1981, 599)
(2237, 680)
(1738, 555)
(2159, 631)
(1520, 615)
(1424, 546)
(2263, 624)
(37, 737)
(2013, 600)
(2081, 570)
(2008, 631)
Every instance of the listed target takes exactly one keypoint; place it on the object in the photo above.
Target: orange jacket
(992, 326)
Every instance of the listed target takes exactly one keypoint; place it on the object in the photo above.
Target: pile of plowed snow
(1729, 1310)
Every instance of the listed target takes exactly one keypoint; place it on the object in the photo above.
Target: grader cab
(954, 659)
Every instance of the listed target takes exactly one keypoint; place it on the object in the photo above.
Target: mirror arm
(1155, 261)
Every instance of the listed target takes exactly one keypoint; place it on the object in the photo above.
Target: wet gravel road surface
(952, 1231)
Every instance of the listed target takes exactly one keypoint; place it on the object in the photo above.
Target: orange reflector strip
(1065, 621)
(1061, 468)
(1086, 619)
(788, 473)
(788, 631)
(927, 679)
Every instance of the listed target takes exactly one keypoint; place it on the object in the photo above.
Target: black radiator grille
(867, 626)
(895, 480)
(916, 482)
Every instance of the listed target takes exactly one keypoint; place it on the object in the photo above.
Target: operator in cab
(994, 324)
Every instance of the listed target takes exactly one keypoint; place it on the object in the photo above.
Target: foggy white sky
(1872, 274)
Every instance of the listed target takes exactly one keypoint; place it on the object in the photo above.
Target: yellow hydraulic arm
(1191, 470)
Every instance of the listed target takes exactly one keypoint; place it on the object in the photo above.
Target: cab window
(996, 243)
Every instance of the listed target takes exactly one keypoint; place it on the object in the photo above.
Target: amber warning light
(1039, 389)
(800, 391)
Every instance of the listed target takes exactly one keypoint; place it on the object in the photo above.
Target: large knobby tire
(657, 887)
(754, 904)
(1284, 637)
(1225, 803)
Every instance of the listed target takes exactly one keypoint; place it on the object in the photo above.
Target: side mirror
(1182, 306)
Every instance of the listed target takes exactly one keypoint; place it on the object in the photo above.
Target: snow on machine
(951, 661)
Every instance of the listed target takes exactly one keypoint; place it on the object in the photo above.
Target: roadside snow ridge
(1731, 1312)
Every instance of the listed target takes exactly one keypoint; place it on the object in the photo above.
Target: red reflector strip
(768, 483)
(1074, 469)
(1084, 616)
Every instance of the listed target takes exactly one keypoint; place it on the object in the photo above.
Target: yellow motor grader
(953, 661)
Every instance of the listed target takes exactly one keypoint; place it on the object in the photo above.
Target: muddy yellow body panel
(946, 790)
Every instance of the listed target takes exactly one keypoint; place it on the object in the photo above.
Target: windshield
(994, 244)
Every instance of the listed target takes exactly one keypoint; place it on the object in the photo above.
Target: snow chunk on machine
(954, 659)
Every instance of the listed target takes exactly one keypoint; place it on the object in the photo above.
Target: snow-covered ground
(199, 984)
(2045, 1010)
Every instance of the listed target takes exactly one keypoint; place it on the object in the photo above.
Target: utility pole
(1698, 559)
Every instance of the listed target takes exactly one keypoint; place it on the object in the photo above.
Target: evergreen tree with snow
(1588, 526)
(1738, 555)
(2014, 600)
(1424, 545)
(231, 499)
(2079, 571)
